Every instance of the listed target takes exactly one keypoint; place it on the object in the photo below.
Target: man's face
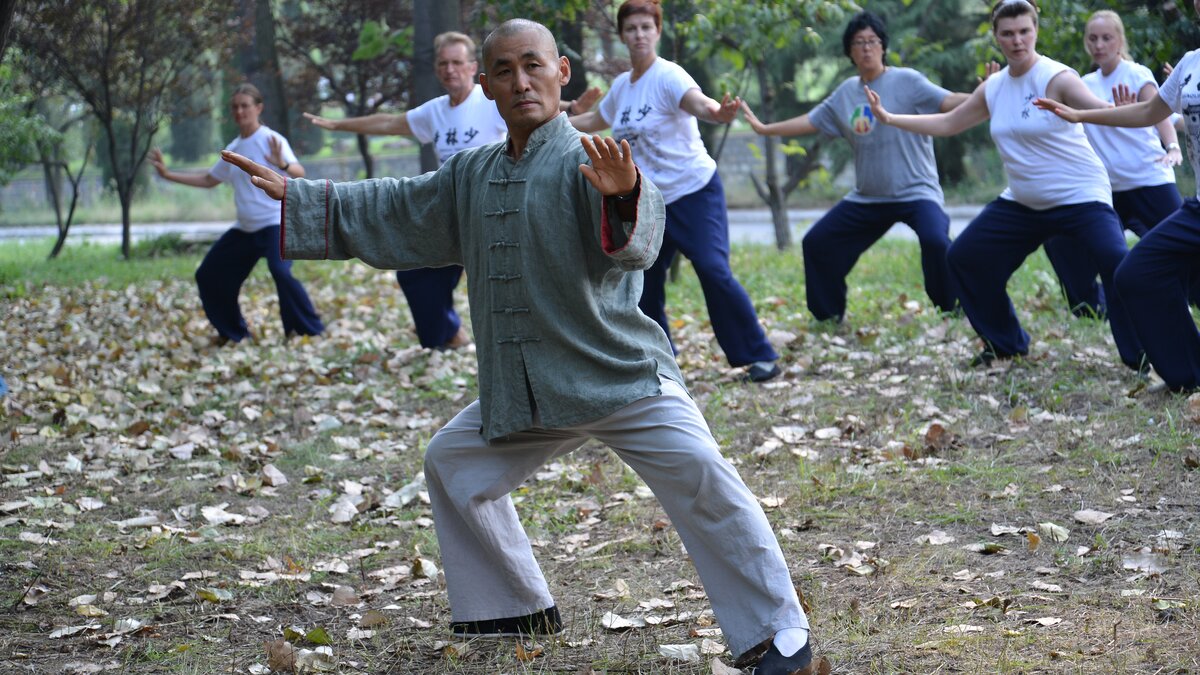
(455, 67)
(525, 79)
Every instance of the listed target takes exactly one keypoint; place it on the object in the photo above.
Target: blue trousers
(430, 295)
(985, 255)
(1153, 283)
(226, 266)
(835, 242)
(1140, 210)
(698, 227)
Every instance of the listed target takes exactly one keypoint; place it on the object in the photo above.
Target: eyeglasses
(863, 44)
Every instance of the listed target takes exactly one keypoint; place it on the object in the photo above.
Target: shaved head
(514, 27)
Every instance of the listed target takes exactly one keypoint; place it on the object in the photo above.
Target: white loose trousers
(489, 565)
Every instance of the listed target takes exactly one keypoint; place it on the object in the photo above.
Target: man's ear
(564, 71)
(483, 83)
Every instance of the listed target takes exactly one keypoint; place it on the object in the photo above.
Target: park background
(170, 507)
(87, 92)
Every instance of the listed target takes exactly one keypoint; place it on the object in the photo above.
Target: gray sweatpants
(490, 569)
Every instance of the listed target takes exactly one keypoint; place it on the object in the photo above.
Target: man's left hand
(263, 178)
(612, 172)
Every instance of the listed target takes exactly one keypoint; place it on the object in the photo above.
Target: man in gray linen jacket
(553, 229)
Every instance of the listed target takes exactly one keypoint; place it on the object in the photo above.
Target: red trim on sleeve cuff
(606, 235)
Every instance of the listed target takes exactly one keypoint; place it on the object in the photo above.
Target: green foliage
(375, 40)
(20, 132)
(1155, 32)
(749, 32)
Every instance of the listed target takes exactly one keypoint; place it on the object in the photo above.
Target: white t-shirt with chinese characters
(1181, 92)
(1047, 159)
(665, 139)
(454, 128)
(1130, 155)
(255, 210)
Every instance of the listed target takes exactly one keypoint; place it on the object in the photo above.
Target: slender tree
(124, 59)
(351, 47)
(744, 35)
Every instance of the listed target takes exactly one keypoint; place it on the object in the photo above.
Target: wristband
(632, 194)
(1172, 146)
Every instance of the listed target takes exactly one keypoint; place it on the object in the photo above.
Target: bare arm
(706, 109)
(200, 180)
(589, 122)
(379, 124)
(796, 126)
(1173, 156)
(1069, 88)
(582, 104)
(1143, 114)
(292, 169)
(966, 115)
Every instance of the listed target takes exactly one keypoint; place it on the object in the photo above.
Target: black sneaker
(762, 371)
(545, 622)
(774, 663)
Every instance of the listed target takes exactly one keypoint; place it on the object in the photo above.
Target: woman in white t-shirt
(655, 108)
(1139, 161)
(1057, 185)
(1154, 279)
(255, 234)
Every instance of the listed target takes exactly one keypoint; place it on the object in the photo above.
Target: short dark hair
(861, 22)
(651, 8)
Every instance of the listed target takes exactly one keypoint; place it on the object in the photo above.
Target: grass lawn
(1040, 516)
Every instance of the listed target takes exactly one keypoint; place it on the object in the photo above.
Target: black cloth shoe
(545, 622)
(762, 371)
(774, 663)
(988, 356)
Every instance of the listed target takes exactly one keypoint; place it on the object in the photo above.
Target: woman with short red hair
(655, 107)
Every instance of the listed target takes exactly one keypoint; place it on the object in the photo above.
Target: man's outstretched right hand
(263, 178)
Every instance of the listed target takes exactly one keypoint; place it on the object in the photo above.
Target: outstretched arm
(379, 124)
(201, 180)
(1143, 114)
(589, 122)
(261, 177)
(706, 109)
(796, 126)
(971, 112)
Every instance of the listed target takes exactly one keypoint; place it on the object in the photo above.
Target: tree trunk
(53, 180)
(64, 227)
(570, 34)
(7, 7)
(430, 19)
(260, 62)
(774, 196)
(364, 149)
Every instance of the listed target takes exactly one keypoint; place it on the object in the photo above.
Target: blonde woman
(1139, 161)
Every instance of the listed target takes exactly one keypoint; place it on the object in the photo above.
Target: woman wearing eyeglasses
(1057, 185)
(1139, 161)
(896, 176)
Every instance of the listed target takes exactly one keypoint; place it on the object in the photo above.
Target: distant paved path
(745, 226)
